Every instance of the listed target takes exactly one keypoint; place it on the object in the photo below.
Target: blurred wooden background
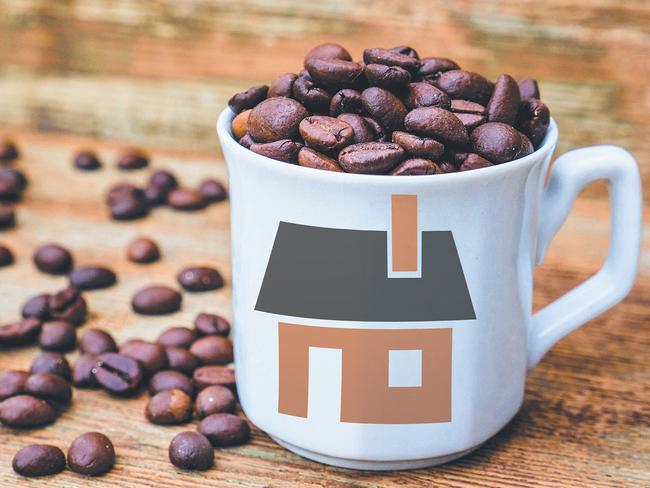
(157, 72)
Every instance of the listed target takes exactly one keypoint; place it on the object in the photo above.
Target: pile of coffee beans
(12, 185)
(393, 113)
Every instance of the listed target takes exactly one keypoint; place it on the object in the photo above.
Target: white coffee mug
(385, 322)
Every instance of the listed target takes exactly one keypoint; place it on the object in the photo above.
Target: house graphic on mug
(399, 275)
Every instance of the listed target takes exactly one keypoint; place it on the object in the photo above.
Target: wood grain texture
(586, 416)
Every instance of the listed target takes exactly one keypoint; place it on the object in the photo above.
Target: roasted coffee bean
(121, 190)
(309, 158)
(345, 101)
(224, 429)
(362, 130)
(406, 50)
(150, 355)
(283, 150)
(129, 208)
(160, 183)
(12, 383)
(118, 374)
(248, 99)
(455, 156)
(333, 73)
(143, 250)
(7, 217)
(169, 407)
(156, 300)
(214, 399)
(25, 411)
(391, 77)
(177, 337)
(385, 107)
(214, 375)
(314, 98)
(213, 350)
(504, 102)
(20, 333)
(96, 341)
(207, 324)
(200, 278)
(329, 50)
(8, 151)
(38, 460)
(436, 123)
(371, 157)
(282, 86)
(471, 114)
(431, 67)
(247, 141)
(181, 360)
(533, 120)
(421, 147)
(447, 167)
(37, 307)
(57, 336)
(192, 451)
(466, 85)
(498, 142)
(471, 121)
(12, 184)
(49, 387)
(51, 362)
(417, 166)
(68, 305)
(87, 161)
(83, 372)
(276, 118)
(425, 95)
(163, 178)
(186, 199)
(325, 134)
(132, 158)
(91, 454)
(391, 58)
(213, 191)
(92, 278)
(6, 256)
(53, 259)
(528, 88)
(474, 161)
(170, 380)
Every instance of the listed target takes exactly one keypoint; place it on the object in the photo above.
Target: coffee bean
(51, 362)
(143, 250)
(160, 183)
(467, 85)
(247, 141)
(169, 407)
(528, 88)
(425, 95)
(92, 278)
(329, 50)
(248, 99)
(83, 371)
(282, 86)
(345, 101)
(385, 107)
(68, 305)
(213, 191)
(406, 50)
(214, 375)
(49, 387)
(86, 160)
(177, 337)
(53, 259)
(283, 150)
(122, 190)
(192, 451)
(7, 217)
(12, 184)
(181, 360)
(391, 58)
(314, 98)
(417, 166)
(127, 202)
(6, 256)
(96, 341)
(224, 429)
(276, 118)
(447, 167)
(38, 460)
(334, 73)
(57, 336)
(20, 333)
(371, 157)
(170, 380)
(498, 142)
(118, 374)
(132, 158)
(471, 114)
(163, 178)
(436, 123)
(533, 120)
(26, 411)
(156, 300)
(431, 67)
(200, 278)
(474, 161)
(186, 199)
(325, 134)
(362, 130)
(504, 102)
(421, 147)
(12, 383)
(150, 355)
(309, 158)
(8, 151)
(207, 324)
(213, 350)
(91, 454)
(214, 399)
(37, 307)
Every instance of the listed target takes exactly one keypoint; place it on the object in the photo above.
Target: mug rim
(226, 138)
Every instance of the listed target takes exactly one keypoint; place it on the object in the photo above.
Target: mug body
(380, 322)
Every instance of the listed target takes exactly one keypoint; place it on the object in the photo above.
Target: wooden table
(585, 420)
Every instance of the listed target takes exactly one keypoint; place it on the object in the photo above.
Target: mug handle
(570, 173)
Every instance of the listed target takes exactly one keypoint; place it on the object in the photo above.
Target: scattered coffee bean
(474, 161)
(96, 341)
(87, 161)
(177, 337)
(283, 150)
(385, 107)
(191, 450)
(132, 159)
(91, 454)
(68, 305)
(181, 360)
(214, 399)
(213, 350)
(504, 102)
(282, 86)
(329, 50)
(57, 336)
(37, 307)
(51, 362)
(499, 143)
(213, 191)
(49, 387)
(118, 374)
(143, 250)
(309, 158)
(224, 429)
(465, 85)
(20, 333)
(92, 278)
(276, 118)
(53, 259)
(371, 157)
(207, 324)
(248, 99)
(186, 199)
(169, 407)
(26, 411)
(83, 372)
(6, 256)
(156, 300)
(8, 151)
(345, 101)
(7, 217)
(12, 184)
(421, 147)
(214, 375)
(150, 355)
(161, 182)
(12, 383)
(170, 380)
(528, 88)
(416, 166)
(127, 202)
(38, 460)
(200, 278)
(432, 67)
(533, 120)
